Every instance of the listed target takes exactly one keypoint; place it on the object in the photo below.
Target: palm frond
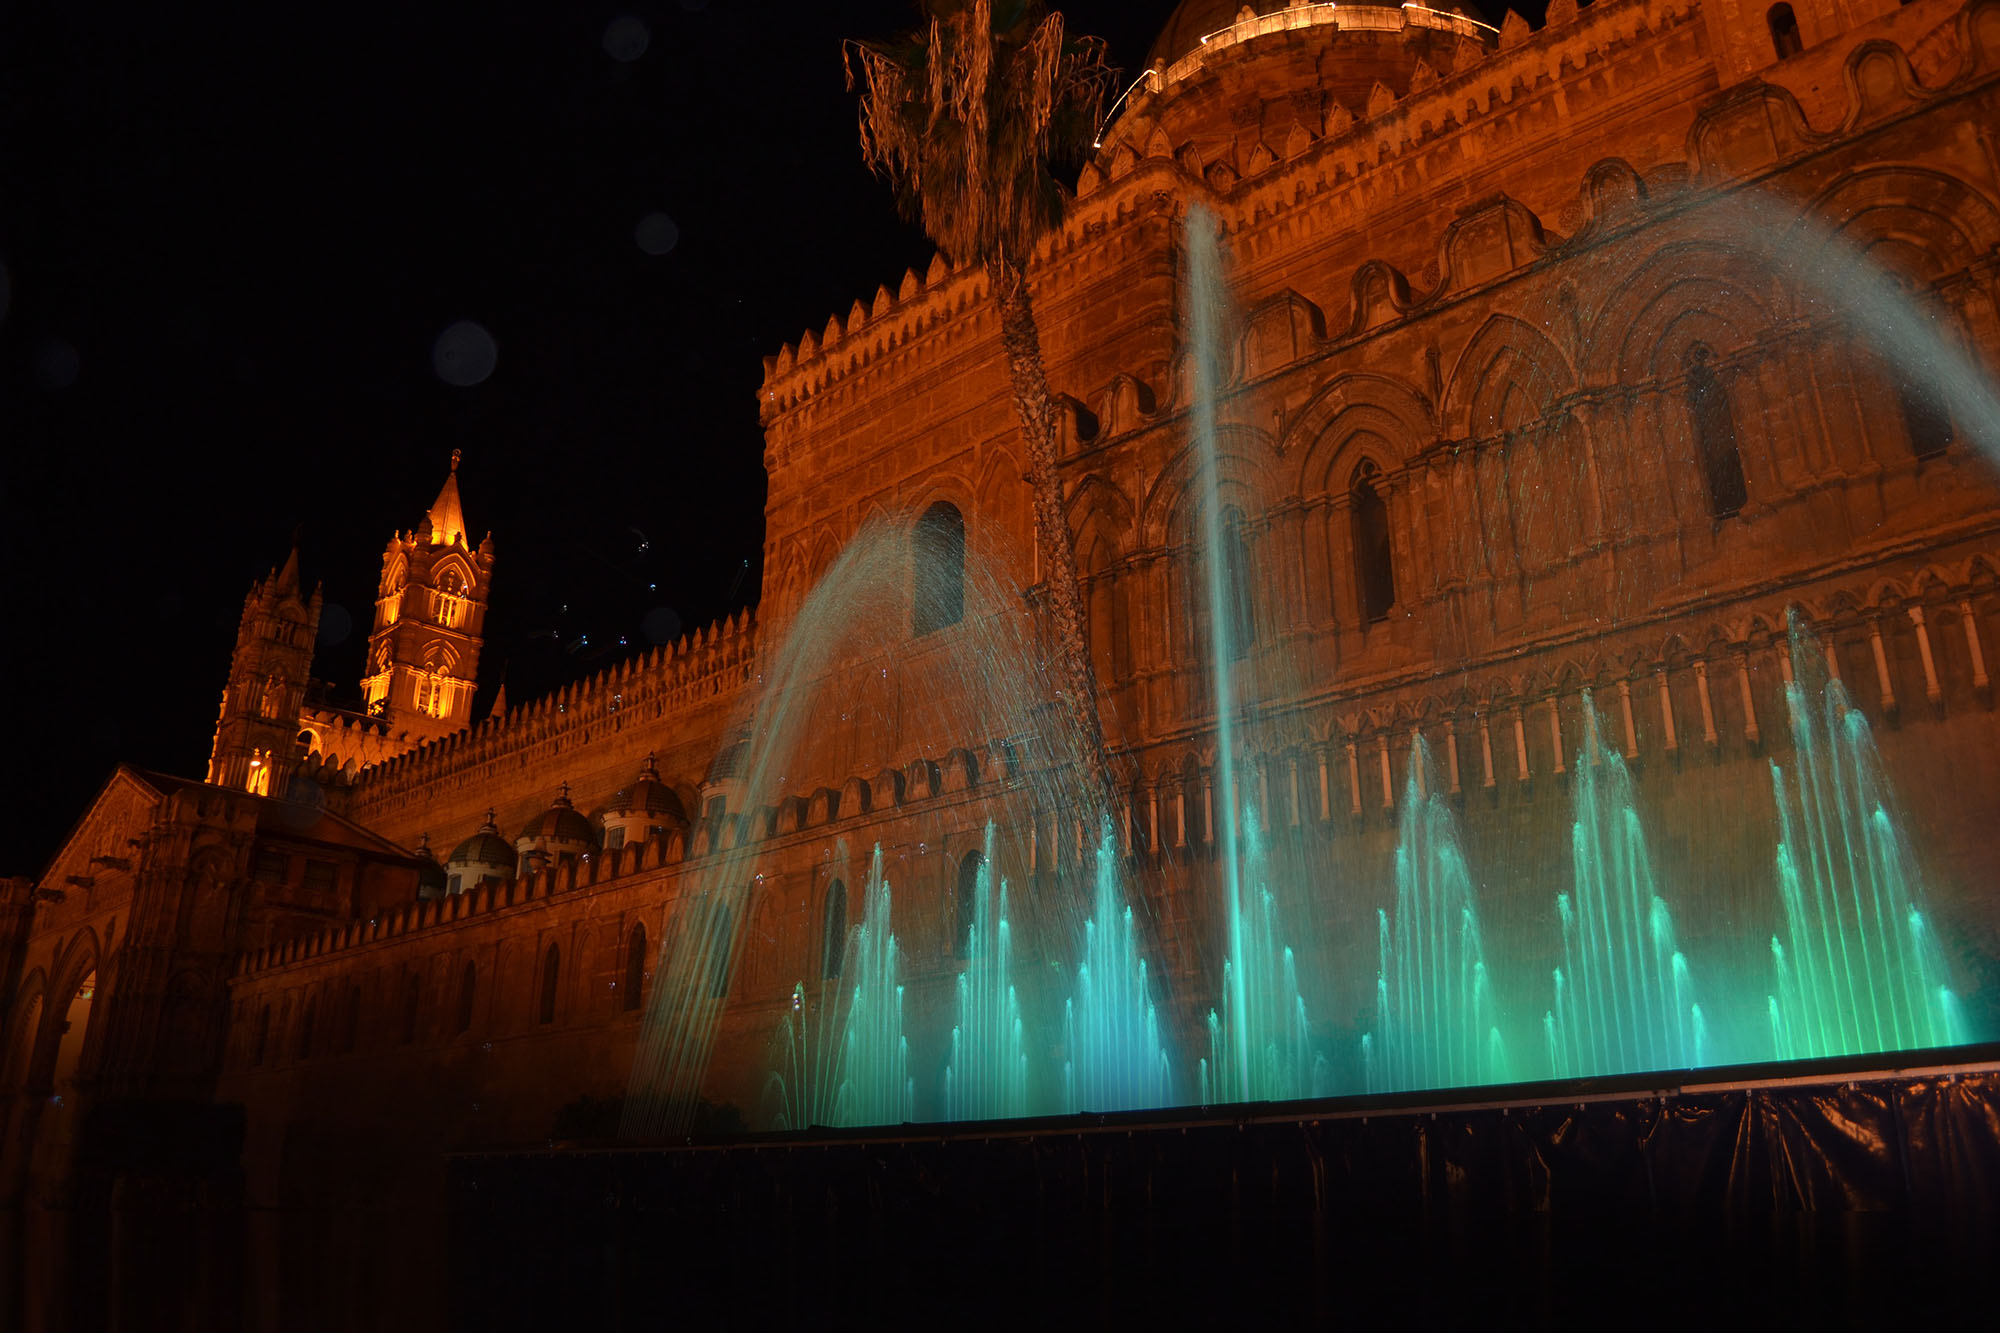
(968, 118)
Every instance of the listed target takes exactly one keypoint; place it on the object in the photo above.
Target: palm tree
(967, 118)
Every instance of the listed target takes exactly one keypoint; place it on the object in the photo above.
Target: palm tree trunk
(1078, 681)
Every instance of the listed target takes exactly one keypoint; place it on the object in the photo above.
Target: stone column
(1932, 689)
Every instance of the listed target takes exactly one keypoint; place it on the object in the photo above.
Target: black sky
(230, 238)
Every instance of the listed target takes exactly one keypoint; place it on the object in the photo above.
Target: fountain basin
(1826, 1189)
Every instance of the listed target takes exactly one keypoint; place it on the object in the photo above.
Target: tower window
(614, 837)
(271, 866)
(1784, 25)
(1374, 565)
(938, 561)
(1714, 435)
(258, 780)
(433, 692)
(320, 876)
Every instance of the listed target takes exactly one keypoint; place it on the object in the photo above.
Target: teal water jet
(986, 1075)
(1116, 1054)
(1437, 1024)
(1856, 967)
(1260, 1042)
(1624, 995)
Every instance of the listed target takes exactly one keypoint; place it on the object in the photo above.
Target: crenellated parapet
(658, 690)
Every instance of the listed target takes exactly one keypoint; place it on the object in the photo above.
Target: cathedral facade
(1549, 401)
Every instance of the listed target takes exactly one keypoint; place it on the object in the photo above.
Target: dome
(430, 875)
(485, 848)
(647, 796)
(561, 822)
(1193, 20)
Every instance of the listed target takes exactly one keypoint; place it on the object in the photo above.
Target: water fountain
(1624, 997)
(848, 1061)
(1116, 1052)
(1856, 968)
(1059, 1004)
(986, 1076)
(1438, 1025)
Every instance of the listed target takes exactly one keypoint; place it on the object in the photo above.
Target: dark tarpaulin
(1838, 1202)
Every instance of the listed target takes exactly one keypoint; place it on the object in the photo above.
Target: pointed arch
(1508, 377)
(1896, 214)
(1249, 478)
(1101, 519)
(1363, 411)
(1686, 292)
(937, 558)
(454, 565)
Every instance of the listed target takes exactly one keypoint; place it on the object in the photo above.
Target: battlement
(707, 664)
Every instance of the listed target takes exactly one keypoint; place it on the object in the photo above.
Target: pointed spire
(288, 577)
(446, 518)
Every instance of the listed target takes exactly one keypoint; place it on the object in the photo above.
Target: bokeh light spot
(662, 624)
(334, 625)
(657, 233)
(465, 354)
(56, 364)
(626, 38)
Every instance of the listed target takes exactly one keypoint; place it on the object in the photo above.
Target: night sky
(230, 247)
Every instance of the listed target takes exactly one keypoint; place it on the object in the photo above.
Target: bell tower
(430, 615)
(256, 745)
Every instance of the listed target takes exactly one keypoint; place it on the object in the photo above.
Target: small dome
(430, 875)
(561, 822)
(647, 796)
(485, 848)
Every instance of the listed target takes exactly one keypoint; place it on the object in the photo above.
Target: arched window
(833, 932)
(263, 1036)
(551, 974)
(433, 695)
(413, 990)
(967, 903)
(306, 1029)
(937, 558)
(1714, 435)
(468, 991)
(1238, 588)
(1925, 415)
(635, 968)
(1784, 25)
(1374, 566)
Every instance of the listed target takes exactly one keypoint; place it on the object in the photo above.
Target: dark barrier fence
(1841, 1197)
